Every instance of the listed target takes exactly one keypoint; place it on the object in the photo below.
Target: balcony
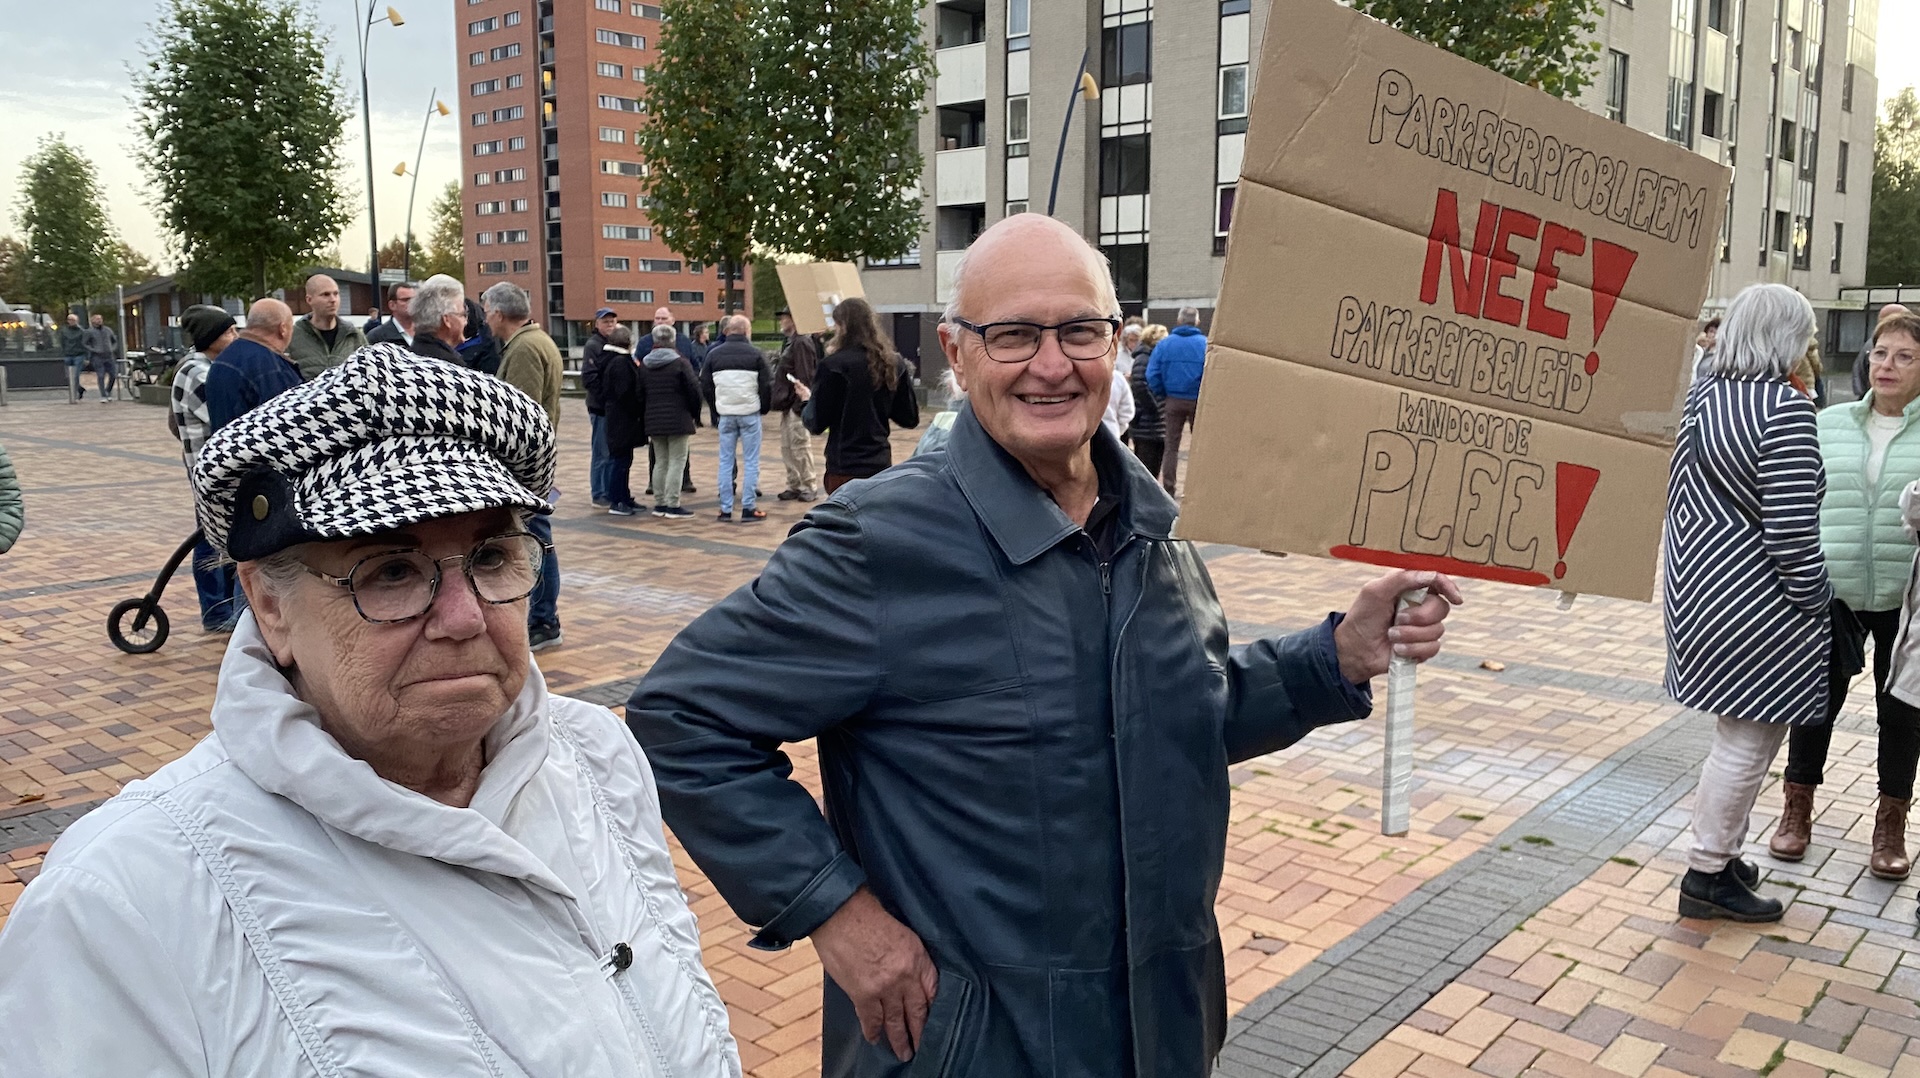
(962, 74)
(960, 176)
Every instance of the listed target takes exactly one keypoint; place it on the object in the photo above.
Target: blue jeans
(746, 430)
(74, 363)
(106, 374)
(221, 600)
(600, 471)
(543, 605)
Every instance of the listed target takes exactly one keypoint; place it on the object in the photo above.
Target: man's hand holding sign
(1460, 312)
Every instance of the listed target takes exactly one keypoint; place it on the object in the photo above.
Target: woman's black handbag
(1849, 654)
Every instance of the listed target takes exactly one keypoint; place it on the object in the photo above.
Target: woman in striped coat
(1746, 586)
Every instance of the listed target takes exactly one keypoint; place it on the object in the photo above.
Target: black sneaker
(751, 516)
(661, 511)
(543, 638)
(676, 512)
(648, 492)
(602, 503)
(788, 495)
(689, 488)
(724, 517)
(1723, 895)
(624, 509)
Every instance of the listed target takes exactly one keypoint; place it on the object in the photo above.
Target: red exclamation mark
(1572, 488)
(1611, 265)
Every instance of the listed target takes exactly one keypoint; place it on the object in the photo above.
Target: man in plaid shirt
(211, 330)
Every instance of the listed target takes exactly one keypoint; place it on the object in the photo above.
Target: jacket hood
(660, 357)
(277, 740)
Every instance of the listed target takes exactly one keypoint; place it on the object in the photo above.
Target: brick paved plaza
(1525, 925)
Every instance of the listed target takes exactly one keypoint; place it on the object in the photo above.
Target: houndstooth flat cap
(384, 440)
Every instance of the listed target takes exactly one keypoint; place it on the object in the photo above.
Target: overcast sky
(68, 72)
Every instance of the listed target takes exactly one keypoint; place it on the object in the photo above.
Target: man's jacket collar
(1022, 519)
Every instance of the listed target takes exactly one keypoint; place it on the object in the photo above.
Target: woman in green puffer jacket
(13, 511)
(1871, 449)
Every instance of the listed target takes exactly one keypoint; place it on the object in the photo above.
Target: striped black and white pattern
(1746, 584)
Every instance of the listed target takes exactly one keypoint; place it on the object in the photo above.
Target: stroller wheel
(137, 641)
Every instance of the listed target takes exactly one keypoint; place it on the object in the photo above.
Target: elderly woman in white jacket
(396, 853)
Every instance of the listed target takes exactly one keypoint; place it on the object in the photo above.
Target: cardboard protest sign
(814, 289)
(1458, 314)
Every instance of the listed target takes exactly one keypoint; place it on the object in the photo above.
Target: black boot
(1748, 872)
(1707, 896)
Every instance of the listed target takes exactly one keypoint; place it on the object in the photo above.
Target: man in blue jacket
(254, 368)
(1173, 377)
(1026, 707)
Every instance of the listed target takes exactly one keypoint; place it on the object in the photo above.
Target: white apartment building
(1782, 91)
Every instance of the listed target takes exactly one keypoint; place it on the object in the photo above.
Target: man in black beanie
(210, 329)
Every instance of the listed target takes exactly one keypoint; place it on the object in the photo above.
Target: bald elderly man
(321, 339)
(254, 368)
(1026, 706)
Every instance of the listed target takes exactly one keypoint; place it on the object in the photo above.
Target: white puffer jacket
(268, 905)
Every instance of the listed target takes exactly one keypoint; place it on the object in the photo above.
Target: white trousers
(1730, 780)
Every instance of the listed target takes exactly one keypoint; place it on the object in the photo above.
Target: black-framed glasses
(399, 585)
(1017, 342)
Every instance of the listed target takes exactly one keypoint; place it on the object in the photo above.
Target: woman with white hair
(1747, 594)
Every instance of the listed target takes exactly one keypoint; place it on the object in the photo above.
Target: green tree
(842, 86)
(242, 120)
(1893, 235)
(393, 253)
(69, 241)
(13, 270)
(703, 140)
(130, 267)
(768, 296)
(1547, 44)
(445, 250)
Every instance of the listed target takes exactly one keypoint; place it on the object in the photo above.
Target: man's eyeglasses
(1886, 357)
(1017, 342)
(399, 585)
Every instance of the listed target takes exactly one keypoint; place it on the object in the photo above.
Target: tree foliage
(703, 139)
(841, 86)
(70, 254)
(1893, 237)
(13, 270)
(130, 267)
(242, 120)
(445, 251)
(393, 253)
(1547, 44)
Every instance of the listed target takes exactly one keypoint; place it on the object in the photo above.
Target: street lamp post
(363, 38)
(1083, 86)
(436, 108)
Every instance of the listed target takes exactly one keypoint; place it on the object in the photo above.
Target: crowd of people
(1789, 546)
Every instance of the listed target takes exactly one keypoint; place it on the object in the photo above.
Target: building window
(687, 297)
(475, 59)
(1124, 165)
(1018, 131)
(1233, 92)
(1126, 54)
(617, 199)
(1839, 245)
(615, 37)
(622, 104)
(516, 235)
(514, 82)
(510, 175)
(487, 209)
(608, 5)
(1129, 263)
(481, 179)
(1016, 207)
(1789, 144)
(482, 149)
(504, 52)
(1846, 89)
(910, 258)
(517, 142)
(659, 265)
(483, 26)
(955, 227)
(626, 232)
(479, 89)
(639, 73)
(493, 267)
(616, 263)
(519, 265)
(1019, 18)
(1840, 167)
(623, 168)
(1679, 110)
(647, 11)
(629, 295)
(613, 134)
(511, 18)
(518, 205)
(1782, 231)
(479, 119)
(483, 239)
(1223, 198)
(1616, 86)
(513, 112)
(1710, 115)
(611, 71)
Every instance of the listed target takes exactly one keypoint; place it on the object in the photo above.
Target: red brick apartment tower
(551, 95)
